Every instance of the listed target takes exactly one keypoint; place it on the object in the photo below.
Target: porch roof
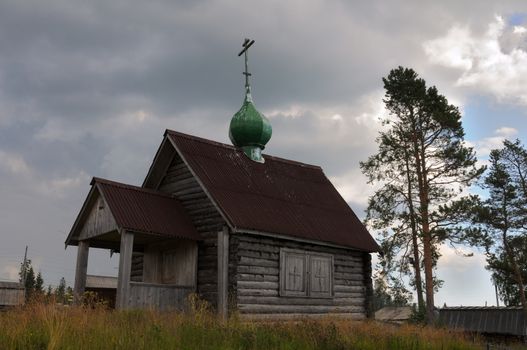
(139, 210)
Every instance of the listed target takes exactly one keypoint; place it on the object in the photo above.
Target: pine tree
(422, 165)
(60, 291)
(503, 273)
(503, 217)
(39, 284)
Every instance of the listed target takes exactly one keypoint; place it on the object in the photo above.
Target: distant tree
(502, 219)
(49, 291)
(39, 284)
(503, 274)
(27, 278)
(389, 291)
(60, 291)
(422, 166)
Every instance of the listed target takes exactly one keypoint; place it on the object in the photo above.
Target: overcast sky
(87, 88)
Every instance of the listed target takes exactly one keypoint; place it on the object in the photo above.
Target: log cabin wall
(179, 181)
(254, 280)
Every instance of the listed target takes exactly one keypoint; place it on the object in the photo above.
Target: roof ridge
(130, 187)
(224, 145)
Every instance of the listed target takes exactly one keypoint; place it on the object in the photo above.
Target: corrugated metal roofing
(495, 320)
(279, 196)
(146, 211)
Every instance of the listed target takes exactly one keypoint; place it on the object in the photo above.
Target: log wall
(254, 280)
(180, 182)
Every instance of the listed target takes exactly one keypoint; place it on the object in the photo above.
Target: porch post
(125, 266)
(223, 271)
(81, 270)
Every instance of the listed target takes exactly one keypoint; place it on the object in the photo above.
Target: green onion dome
(250, 129)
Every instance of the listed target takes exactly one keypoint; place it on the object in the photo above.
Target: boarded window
(307, 274)
(294, 274)
(321, 268)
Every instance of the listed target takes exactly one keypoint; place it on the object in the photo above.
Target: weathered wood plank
(349, 276)
(99, 221)
(246, 261)
(125, 264)
(312, 309)
(81, 270)
(258, 270)
(355, 316)
(348, 289)
(258, 254)
(257, 292)
(262, 278)
(268, 300)
(258, 285)
(160, 296)
(299, 316)
(346, 282)
(223, 269)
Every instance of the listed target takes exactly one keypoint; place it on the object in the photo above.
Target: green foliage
(421, 167)
(60, 291)
(39, 284)
(500, 221)
(29, 280)
(503, 273)
(392, 293)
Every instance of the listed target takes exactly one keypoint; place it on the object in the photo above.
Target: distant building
(485, 320)
(394, 314)
(262, 235)
(11, 294)
(104, 286)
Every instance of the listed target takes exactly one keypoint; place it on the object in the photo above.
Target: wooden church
(248, 232)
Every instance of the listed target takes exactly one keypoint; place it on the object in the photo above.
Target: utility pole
(497, 299)
(25, 268)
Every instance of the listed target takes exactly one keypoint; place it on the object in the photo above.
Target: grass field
(41, 326)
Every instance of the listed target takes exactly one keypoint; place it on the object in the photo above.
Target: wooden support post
(125, 267)
(223, 271)
(368, 306)
(81, 270)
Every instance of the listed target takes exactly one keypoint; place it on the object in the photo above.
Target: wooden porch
(167, 272)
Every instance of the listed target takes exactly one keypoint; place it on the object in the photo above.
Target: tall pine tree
(503, 218)
(422, 166)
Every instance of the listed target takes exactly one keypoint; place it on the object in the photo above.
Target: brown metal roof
(146, 211)
(279, 196)
(492, 320)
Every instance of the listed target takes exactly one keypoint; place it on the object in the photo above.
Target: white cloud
(10, 271)
(62, 186)
(487, 144)
(519, 30)
(14, 163)
(352, 188)
(484, 64)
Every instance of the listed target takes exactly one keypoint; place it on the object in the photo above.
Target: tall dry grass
(45, 326)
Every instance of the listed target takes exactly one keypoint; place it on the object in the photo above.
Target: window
(305, 274)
